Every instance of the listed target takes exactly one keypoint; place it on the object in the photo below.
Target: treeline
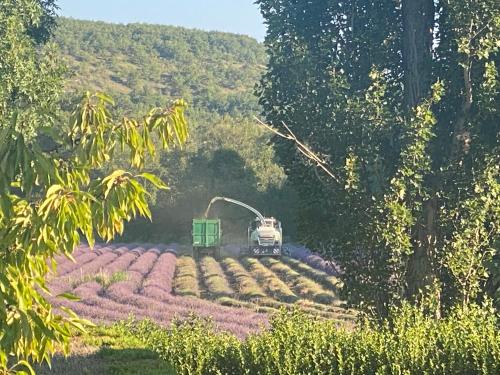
(142, 66)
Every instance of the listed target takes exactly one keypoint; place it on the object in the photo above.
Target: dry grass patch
(255, 306)
(319, 276)
(272, 306)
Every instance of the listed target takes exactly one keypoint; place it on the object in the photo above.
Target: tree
(373, 88)
(31, 74)
(50, 195)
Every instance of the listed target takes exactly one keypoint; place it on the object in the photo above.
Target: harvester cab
(264, 233)
(265, 237)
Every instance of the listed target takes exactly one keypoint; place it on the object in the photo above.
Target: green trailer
(207, 235)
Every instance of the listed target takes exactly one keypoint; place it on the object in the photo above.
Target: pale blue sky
(236, 16)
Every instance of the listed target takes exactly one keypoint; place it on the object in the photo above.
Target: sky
(235, 16)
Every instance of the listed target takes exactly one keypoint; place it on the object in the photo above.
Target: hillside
(143, 66)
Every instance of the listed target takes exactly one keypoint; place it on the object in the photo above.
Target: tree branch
(304, 150)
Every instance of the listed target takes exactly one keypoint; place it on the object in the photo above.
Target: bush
(408, 342)
(192, 346)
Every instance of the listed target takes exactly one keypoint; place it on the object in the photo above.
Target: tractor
(265, 237)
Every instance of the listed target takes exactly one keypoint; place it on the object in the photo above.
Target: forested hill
(143, 65)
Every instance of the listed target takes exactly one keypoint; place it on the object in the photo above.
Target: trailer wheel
(216, 253)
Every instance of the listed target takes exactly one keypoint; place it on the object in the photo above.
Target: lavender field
(116, 281)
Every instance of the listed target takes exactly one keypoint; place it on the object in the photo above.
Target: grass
(214, 278)
(102, 278)
(186, 277)
(106, 350)
(246, 285)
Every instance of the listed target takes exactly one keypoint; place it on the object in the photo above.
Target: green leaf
(156, 181)
(26, 364)
(68, 296)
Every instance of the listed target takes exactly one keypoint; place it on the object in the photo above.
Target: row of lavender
(301, 253)
(314, 260)
(147, 291)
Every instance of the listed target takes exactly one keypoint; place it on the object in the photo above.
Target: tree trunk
(420, 271)
(418, 24)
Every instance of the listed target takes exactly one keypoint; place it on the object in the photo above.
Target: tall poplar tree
(400, 100)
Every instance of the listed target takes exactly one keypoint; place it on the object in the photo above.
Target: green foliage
(30, 74)
(50, 192)
(478, 218)
(190, 346)
(415, 198)
(229, 158)
(103, 278)
(142, 64)
(49, 199)
(406, 343)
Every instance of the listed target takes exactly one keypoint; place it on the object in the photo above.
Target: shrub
(192, 346)
(408, 342)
